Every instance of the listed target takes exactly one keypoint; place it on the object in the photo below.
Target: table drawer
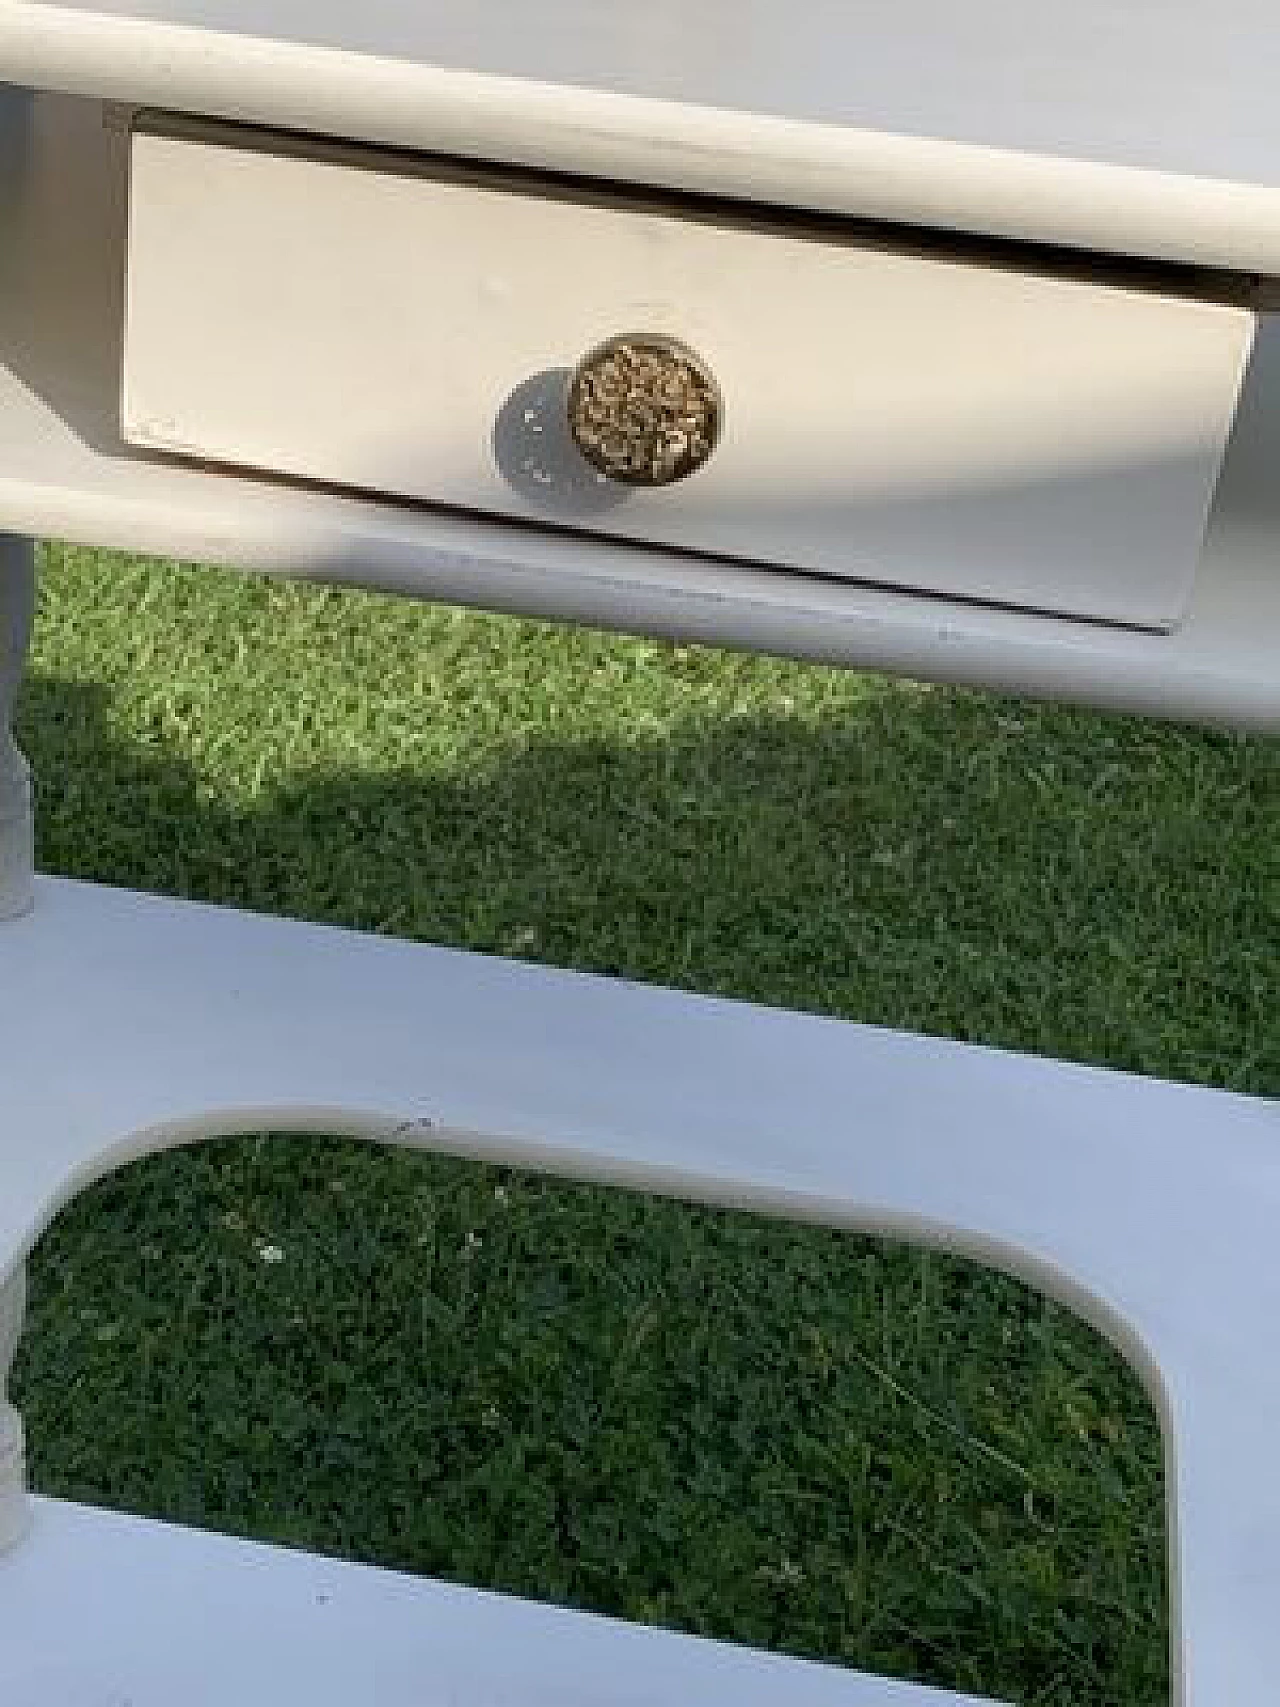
(941, 424)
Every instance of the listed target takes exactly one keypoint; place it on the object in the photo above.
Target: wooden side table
(936, 343)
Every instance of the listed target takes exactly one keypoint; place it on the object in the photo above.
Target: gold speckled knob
(644, 409)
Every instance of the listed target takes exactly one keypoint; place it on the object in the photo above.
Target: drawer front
(939, 425)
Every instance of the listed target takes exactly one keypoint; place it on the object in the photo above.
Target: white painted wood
(167, 1617)
(17, 826)
(1175, 89)
(906, 419)
(1147, 129)
(15, 1510)
(1149, 1207)
(64, 472)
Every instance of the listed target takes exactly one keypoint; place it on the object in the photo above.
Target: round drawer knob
(644, 409)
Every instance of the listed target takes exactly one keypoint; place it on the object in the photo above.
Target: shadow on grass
(783, 1436)
(1096, 888)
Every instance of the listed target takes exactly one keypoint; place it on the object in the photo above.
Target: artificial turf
(791, 1437)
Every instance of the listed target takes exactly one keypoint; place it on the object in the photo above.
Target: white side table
(1125, 180)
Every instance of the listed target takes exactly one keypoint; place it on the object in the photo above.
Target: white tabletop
(1150, 127)
(1165, 85)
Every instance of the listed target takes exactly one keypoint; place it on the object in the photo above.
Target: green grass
(826, 1444)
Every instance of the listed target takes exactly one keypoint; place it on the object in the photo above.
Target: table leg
(17, 825)
(17, 835)
(14, 1505)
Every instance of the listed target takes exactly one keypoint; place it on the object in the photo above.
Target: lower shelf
(103, 1610)
(129, 1023)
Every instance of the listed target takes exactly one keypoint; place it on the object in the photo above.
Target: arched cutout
(790, 1436)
